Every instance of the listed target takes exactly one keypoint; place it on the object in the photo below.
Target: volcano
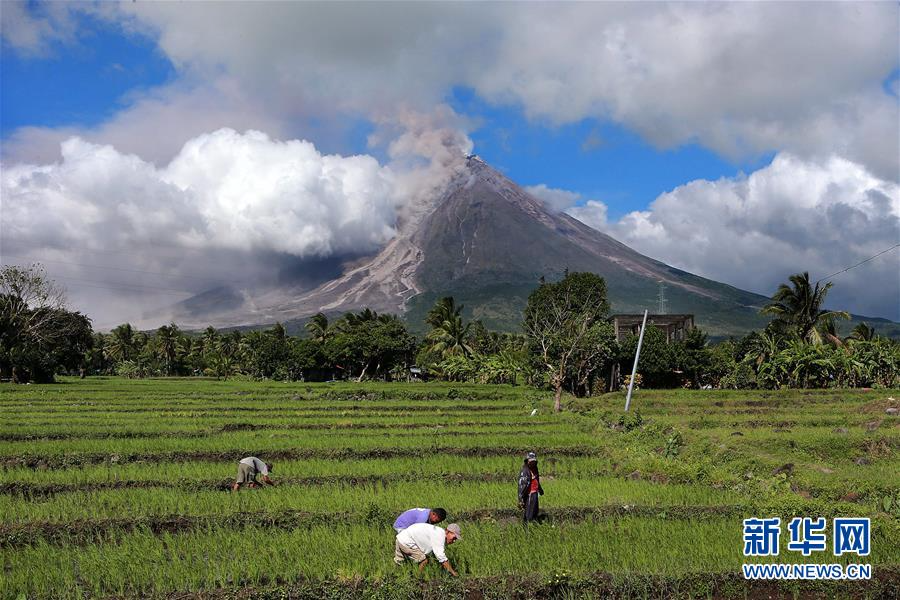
(487, 242)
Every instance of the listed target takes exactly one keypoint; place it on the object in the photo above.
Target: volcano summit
(487, 242)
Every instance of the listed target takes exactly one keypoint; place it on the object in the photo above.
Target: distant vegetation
(567, 345)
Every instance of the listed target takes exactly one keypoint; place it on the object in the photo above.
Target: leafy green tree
(38, 335)
(798, 308)
(309, 358)
(697, 358)
(658, 359)
(449, 335)
(97, 357)
(565, 323)
(484, 341)
(370, 345)
(70, 351)
(266, 354)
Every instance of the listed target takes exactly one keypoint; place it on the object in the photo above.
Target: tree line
(567, 344)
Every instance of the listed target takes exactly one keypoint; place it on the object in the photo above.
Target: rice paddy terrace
(118, 488)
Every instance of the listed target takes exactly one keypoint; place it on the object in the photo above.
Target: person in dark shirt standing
(530, 488)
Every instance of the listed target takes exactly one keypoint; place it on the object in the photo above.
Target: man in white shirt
(248, 469)
(420, 539)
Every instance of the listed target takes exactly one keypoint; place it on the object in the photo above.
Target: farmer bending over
(248, 469)
(419, 515)
(419, 539)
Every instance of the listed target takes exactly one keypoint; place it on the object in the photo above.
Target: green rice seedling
(118, 484)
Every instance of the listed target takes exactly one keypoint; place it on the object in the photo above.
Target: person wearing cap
(530, 487)
(419, 515)
(248, 469)
(419, 540)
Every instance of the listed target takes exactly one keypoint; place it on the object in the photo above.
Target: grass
(143, 563)
(393, 498)
(116, 487)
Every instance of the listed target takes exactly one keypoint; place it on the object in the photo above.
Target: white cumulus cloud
(740, 78)
(223, 190)
(793, 215)
(228, 206)
(554, 198)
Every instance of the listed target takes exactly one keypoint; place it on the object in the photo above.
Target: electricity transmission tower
(662, 299)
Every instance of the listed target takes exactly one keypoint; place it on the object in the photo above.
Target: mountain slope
(487, 242)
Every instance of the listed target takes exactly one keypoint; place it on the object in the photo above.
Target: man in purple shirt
(419, 515)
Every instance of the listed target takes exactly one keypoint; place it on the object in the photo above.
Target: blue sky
(86, 83)
(599, 160)
(702, 135)
(83, 83)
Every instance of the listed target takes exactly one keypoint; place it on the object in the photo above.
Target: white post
(634, 368)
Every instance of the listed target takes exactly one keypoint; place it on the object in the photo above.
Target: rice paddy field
(113, 488)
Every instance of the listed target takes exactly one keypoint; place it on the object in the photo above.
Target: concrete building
(675, 327)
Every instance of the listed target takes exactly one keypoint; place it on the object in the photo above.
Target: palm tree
(318, 327)
(443, 310)
(167, 345)
(230, 344)
(799, 307)
(830, 334)
(222, 366)
(387, 319)
(210, 340)
(863, 332)
(449, 336)
(121, 346)
(352, 320)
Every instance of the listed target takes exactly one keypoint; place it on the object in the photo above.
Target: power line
(116, 287)
(894, 247)
(63, 262)
(176, 250)
(126, 286)
(134, 286)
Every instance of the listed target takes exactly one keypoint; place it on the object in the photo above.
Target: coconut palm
(449, 336)
(798, 307)
(318, 327)
(828, 331)
(209, 340)
(863, 332)
(443, 310)
(230, 344)
(352, 320)
(121, 343)
(167, 346)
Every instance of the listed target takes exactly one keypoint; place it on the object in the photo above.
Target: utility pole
(637, 355)
(662, 298)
